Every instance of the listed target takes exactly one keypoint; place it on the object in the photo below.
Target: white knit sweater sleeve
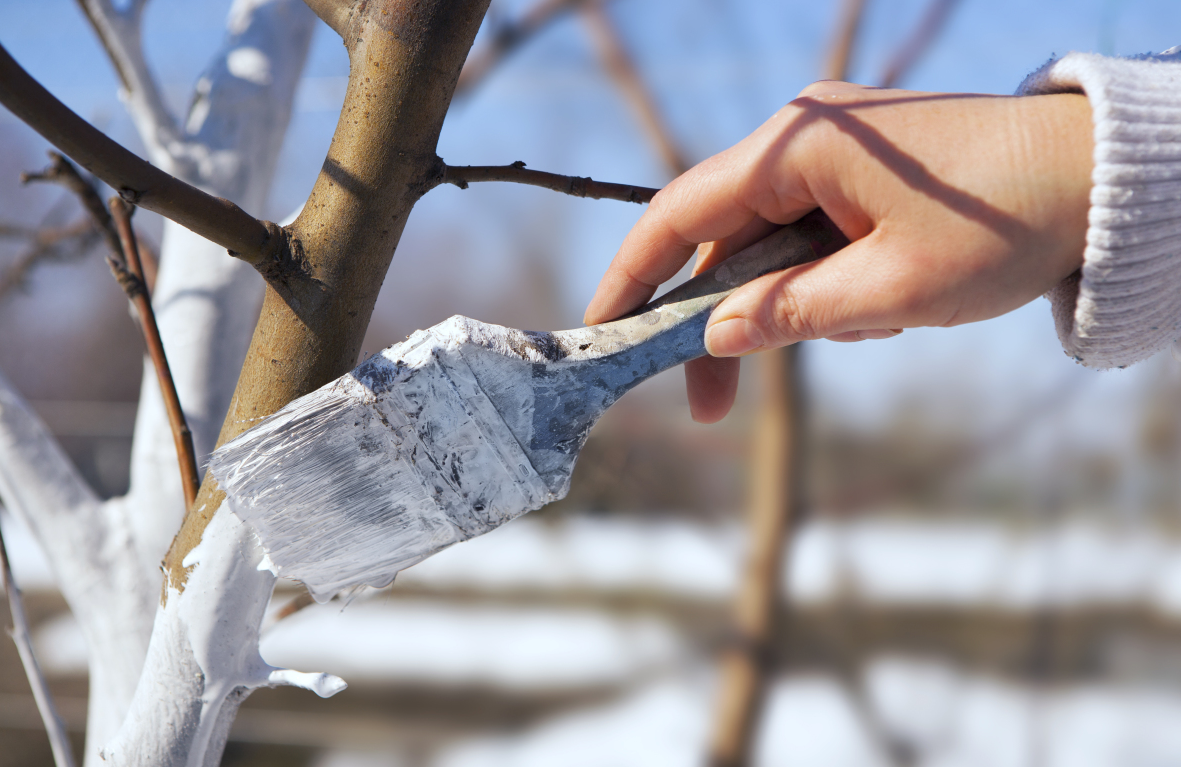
(1125, 304)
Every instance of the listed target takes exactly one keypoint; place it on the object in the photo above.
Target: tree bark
(774, 511)
(203, 658)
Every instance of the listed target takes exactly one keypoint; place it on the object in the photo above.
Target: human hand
(960, 207)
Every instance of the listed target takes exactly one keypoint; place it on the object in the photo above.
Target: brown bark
(774, 510)
(405, 60)
(517, 173)
(135, 284)
(508, 38)
(623, 72)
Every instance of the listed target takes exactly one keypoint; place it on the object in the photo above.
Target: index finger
(711, 201)
(680, 216)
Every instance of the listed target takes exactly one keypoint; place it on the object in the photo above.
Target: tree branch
(334, 13)
(119, 33)
(90, 550)
(15, 230)
(138, 182)
(62, 171)
(47, 244)
(517, 173)
(509, 37)
(622, 70)
(837, 65)
(130, 276)
(405, 59)
(775, 501)
(913, 48)
(59, 742)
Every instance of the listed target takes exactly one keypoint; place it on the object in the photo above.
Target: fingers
(699, 206)
(715, 200)
(712, 384)
(862, 292)
(710, 254)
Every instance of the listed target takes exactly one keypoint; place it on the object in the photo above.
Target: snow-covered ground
(946, 716)
(888, 559)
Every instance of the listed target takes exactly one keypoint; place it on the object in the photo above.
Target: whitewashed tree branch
(205, 301)
(59, 743)
(119, 31)
(106, 556)
(203, 657)
(91, 552)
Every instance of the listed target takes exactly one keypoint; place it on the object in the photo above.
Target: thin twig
(841, 53)
(510, 36)
(622, 70)
(15, 230)
(63, 754)
(62, 171)
(517, 173)
(119, 32)
(136, 180)
(47, 244)
(149, 260)
(131, 278)
(918, 43)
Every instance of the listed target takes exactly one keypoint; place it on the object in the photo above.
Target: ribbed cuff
(1125, 305)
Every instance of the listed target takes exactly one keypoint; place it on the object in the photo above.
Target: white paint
(250, 64)
(91, 552)
(381, 468)
(105, 556)
(221, 609)
(205, 649)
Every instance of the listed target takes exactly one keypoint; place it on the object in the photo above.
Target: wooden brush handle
(604, 361)
(671, 329)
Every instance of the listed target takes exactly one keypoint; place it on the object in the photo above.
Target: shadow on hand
(907, 168)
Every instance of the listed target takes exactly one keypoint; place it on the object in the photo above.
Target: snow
(473, 644)
(590, 553)
(949, 717)
(887, 559)
(811, 721)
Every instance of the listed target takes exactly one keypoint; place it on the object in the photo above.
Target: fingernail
(730, 338)
(877, 335)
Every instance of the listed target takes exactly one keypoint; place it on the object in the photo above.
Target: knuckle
(818, 88)
(786, 320)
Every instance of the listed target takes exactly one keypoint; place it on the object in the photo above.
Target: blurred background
(982, 563)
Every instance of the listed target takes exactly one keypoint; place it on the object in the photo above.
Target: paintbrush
(461, 427)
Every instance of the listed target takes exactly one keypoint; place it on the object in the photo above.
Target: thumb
(858, 288)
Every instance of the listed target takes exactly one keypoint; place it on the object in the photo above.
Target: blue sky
(719, 67)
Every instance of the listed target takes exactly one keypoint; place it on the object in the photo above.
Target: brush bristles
(376, 471)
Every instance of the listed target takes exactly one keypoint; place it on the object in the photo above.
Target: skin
(960, 208)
